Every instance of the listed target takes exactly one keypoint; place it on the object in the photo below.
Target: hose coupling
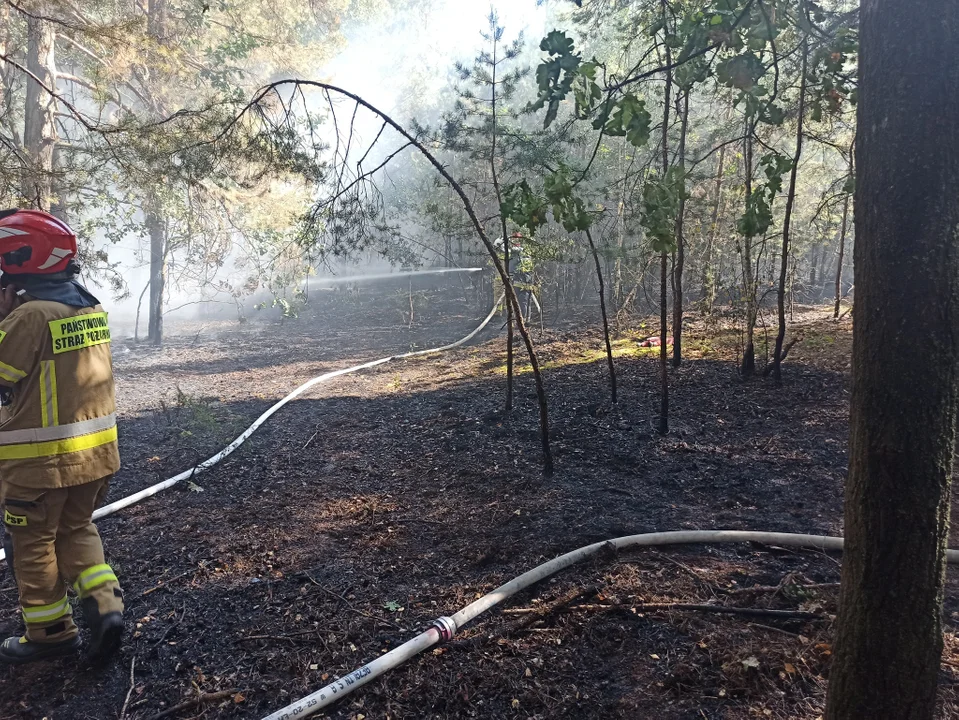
(445, 627)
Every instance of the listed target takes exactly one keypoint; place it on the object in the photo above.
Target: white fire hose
(445, 628)
(228, 450)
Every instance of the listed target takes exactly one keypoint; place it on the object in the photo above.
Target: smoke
(404, 64)
(401, 61)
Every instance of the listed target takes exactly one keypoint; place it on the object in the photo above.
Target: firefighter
(58, 441)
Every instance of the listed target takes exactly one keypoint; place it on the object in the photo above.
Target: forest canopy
(665, 129)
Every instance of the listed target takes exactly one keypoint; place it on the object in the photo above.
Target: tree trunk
(748, 366)
(814, 261)
(680, 245)
(620, 237)
(709, 275)
(787, 220)
(155, 216)
(663, 357)
(905, 366)
(509, 345)
(157, 230)
(821, 288)
(842, 255)
(506, 248)
(664, 259)
(39, 115)
(157, 19)
(5, 49)
(792, 295)
(602, 309)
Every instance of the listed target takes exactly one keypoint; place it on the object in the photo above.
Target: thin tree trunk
(509, 346)
(680, 245)
(842, 255)
(506, 248)
(136, 324)
(620, 237)
(157, 232)
(663, 261)
(155, 217)
(905, 365)
(748, 367)
(821, 287)
(709, 275)
(39, 116)
(787, 220)
(602, 309)
(814, 261)
(663, 356)
(792, 296)
(5, 49)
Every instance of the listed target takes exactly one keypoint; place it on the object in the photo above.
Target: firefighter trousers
(55, 544)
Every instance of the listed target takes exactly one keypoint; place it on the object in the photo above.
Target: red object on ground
(654, 341)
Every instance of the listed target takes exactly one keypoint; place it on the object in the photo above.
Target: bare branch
(80, 117)
(468, 206)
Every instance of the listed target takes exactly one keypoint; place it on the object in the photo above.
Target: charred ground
(384, 499)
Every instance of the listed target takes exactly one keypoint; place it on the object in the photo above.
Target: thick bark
(748, 367)
(787, 223)
(602, 309)
(680, 245)
(841, 256)
(39, 116)
(905, 366)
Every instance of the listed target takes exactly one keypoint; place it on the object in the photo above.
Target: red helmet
(33, 242)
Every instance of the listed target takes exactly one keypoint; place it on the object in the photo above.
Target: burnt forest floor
(380, 500)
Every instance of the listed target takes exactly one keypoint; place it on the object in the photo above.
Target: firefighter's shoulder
(42, 311)
(24, 316)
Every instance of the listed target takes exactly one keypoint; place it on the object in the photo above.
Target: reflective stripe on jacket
(60, 427)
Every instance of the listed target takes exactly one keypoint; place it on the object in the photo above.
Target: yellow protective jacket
(60, 429)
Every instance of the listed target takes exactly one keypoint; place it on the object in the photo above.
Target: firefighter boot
(106, 630)
(19, 650)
